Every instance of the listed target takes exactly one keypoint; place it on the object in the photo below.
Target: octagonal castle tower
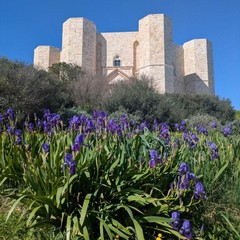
(121, 55)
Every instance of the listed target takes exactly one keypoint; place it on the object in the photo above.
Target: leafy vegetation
(139, 98)
(99, 179)
(26, 89)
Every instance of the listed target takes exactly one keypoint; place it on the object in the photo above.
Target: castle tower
(45, 56)
(198, 67)
(155, 51)
(79, 43)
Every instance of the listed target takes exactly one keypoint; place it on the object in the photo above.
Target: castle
(121, 55)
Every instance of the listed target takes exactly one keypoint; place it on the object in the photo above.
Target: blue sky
(25, 24)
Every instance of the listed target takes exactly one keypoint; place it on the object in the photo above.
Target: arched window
(117, 61)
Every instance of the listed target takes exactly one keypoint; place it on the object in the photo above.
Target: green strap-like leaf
(68, 227)
(85, 233)
(84, 208)
(138, 229)
(110, 235)
(32, 214)
(220, 172)
(14, 206)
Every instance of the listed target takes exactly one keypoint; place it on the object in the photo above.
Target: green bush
(26, 89)
(136, 96)
(182, 106)
(203, 120)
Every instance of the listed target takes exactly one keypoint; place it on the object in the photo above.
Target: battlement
(149, 51)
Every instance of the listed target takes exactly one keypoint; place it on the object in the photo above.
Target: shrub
(203, 120)
(182, 106)
(26, 89)
(136, 96)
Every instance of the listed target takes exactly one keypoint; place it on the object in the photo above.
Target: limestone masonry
(121, 55)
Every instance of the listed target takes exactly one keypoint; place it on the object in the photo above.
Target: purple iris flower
(124, 121)
(226, 131)
(175, 215)
(46, 113)
(152, 163)
(77, 143)
(10, 130)
(199, 192)
(184, 182)
(30, 127)
(154, 159)
(95, 115)
(79, 139)
(72, 168)
(46, 147)
(10, 114)
(183, 125)
(194, 137)
(180, 127)
(112, 126)
(75, 147)
(18, 132)
(201, 129)
(47, 127)
(213, 124)
(19, 140)
(214, 150)
(186, 229)
(143, 125)
(183, 168)
(102, 114)
(68, 160)
(90, 126)
(1, 117)
(176, 125)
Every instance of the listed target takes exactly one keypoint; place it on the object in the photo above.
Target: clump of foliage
(137, 97)
(182, 106)
(203, 120)
(26, 89)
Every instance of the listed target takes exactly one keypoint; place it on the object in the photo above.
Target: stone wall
(45, 56)
(155, 51)
(198, 67)
(178, 72)
(79, 43)
(117, 44)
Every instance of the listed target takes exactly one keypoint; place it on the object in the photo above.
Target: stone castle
(121, 55)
